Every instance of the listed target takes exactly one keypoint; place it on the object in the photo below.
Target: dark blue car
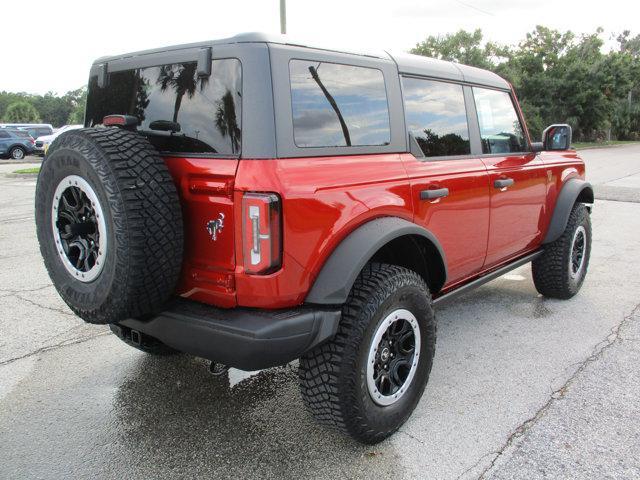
(14, 144)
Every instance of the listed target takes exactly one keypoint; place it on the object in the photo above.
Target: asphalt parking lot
(522, 386)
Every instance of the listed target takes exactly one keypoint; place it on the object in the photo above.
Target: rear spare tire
(109, 224)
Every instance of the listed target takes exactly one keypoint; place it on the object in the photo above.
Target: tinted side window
(436, 116)
(500, 128)
(178, 110)
(338, 105)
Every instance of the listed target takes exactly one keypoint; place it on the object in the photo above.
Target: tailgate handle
(503, 183)
(432, 194)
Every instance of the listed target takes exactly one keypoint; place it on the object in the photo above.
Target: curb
(21, 175)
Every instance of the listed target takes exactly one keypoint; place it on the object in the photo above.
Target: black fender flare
(340, 270)
(572, 190)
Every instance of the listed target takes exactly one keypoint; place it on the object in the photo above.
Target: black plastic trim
(564, 203)
(453, 294)
(333, 284)
(244, 338)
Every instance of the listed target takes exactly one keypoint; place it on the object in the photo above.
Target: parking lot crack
(53, 309)
(48, 348)
(611, 339)
(411, 436)
(25, 290)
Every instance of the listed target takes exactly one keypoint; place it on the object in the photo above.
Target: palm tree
(183, 79)
(226, 120)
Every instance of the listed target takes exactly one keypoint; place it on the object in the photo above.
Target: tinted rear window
(207, 109)
(21, 133)
(337, 105)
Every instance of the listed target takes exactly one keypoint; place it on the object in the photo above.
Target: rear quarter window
(336, 105)
(179, 111)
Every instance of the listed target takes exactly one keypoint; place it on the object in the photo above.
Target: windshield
(179, 111)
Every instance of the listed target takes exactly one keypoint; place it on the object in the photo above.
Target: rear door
(194, 121)
(449, 185)
(5, 139)
(517, 177)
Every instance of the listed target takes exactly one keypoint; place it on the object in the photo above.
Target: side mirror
(557, 137)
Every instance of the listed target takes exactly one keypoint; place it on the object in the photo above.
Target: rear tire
(17, 153)
(560, 271)
(109, 224)
(335, 377)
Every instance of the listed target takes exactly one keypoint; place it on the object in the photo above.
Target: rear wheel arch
(389, 240)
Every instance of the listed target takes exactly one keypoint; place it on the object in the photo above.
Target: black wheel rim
(578, 250)
(393, 357)
(79, 228)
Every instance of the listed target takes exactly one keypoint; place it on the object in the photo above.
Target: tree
(52, 108)
(558, 76)
(226, 120)
(462, 47)
(183, 79)
(21, 112)
(78, 99)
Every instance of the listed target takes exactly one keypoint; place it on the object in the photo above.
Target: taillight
(33, 142)
(126, 121)
(261, 236)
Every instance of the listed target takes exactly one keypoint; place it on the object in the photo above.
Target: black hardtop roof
(407, 63)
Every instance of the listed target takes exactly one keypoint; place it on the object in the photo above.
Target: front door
(517, 178)
(449, 186)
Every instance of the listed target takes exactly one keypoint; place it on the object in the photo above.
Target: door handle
(433, 194)
(503, 183)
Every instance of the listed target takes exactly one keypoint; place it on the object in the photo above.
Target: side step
(447, 297)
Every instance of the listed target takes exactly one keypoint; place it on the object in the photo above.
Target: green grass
(583, 145)
(28, 170)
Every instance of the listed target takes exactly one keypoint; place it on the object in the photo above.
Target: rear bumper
(244, 338)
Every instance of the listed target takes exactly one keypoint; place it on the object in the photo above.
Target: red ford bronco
(253, 201)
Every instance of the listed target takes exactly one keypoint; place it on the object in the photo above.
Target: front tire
(560, 271)
(369, 378)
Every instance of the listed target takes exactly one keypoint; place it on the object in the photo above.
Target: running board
(485, 278)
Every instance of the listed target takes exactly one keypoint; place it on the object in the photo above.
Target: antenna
(283, 16)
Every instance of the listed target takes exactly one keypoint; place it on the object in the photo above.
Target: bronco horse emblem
(214, 227)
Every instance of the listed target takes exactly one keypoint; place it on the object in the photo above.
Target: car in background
(14, 144)
(35, 129)
(43, 143)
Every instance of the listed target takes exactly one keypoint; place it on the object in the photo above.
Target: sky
(53, 45)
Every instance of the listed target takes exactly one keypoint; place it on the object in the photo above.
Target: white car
(43, 143)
